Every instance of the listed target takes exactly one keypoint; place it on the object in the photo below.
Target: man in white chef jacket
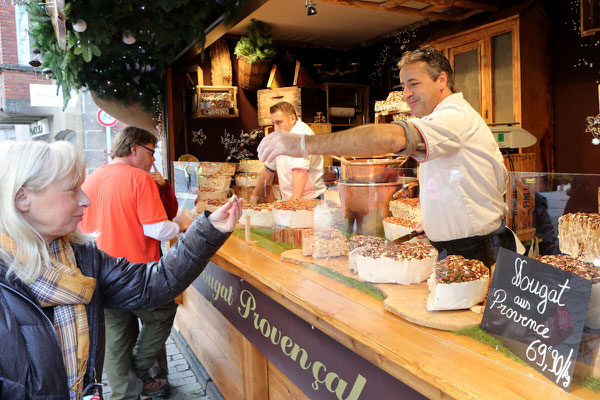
(462, 174)
(299, 177)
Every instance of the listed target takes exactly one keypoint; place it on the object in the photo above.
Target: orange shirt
(123, 199)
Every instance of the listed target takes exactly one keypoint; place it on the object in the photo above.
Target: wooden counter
(438, 364)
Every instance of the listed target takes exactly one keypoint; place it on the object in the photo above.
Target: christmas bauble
(128, 39)
(80, 25)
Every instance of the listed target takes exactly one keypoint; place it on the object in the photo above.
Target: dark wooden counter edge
(438, 364)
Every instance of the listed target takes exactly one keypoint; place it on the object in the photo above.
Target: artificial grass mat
(263, 237)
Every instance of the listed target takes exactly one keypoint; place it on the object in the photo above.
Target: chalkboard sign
(538, 312)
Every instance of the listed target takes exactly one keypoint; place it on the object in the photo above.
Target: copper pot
(372, 170)
(367, 204)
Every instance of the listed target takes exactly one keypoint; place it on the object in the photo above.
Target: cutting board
(405, 301)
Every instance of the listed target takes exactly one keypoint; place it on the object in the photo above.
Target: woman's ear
(22, 201)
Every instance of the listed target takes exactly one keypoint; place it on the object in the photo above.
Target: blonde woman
(55, 283)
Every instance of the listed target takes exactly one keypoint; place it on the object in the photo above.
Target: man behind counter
(299, 178)
(462, 175)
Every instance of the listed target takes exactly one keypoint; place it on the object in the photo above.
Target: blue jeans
(483, 248)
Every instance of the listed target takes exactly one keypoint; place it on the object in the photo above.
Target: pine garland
(99, 58)
(257, 44)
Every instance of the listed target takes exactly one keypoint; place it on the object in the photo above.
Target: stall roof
(342, 24)
(348, 23)
(333, 25)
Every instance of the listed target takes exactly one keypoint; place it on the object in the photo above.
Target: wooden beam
(275, 81)
(296, 73)
(476, 5)
(463, 3)
(429, 9)
(220, 63)
(376, 6)
(219, 31)
(392, 3)
(460, 17)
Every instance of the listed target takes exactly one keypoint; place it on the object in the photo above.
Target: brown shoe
(156, 388)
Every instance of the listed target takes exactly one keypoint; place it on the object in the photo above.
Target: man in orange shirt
(128, 215)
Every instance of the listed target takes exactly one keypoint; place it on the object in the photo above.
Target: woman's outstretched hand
(226, 216)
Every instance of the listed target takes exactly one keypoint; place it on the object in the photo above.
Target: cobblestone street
(188, 379)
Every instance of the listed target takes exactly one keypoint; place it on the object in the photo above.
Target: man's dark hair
(284, 107)
(435, 62)
(128, 137)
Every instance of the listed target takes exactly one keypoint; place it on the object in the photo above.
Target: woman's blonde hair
(33, 165)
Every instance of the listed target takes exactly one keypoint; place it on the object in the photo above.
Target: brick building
(29, 106)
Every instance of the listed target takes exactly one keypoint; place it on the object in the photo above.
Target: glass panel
(502, 77)
(466, 76)
(335, 247)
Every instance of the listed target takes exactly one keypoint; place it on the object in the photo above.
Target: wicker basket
(251, 76)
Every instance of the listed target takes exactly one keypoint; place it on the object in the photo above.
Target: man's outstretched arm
(362, 141)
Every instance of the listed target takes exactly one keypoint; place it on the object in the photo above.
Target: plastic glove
(279, 143)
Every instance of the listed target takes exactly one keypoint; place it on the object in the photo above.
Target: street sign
(106, 119)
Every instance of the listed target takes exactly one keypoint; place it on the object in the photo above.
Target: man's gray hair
(435, 62)
(128, 137)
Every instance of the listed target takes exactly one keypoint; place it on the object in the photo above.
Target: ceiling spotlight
(311, 9)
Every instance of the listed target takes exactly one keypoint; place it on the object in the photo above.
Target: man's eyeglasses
(148, 148)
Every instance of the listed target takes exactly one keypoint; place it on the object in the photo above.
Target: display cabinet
(297, 304)
(503, 82)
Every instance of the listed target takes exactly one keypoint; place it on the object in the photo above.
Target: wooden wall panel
(537, 114)
(255, 380)
(281, 388)
(217, 327)
(225, 375)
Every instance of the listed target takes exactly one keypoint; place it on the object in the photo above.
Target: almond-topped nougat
(246, 179)
(303, 204)
(579, 235)
(213, 204)
(407, 208)
(330, 242)
(404, 251)
(251, 166)
(260, 214)
(258, 206)
(324, 243)
(358, 242)
(401, 221)
(457, 283)
(404, 264)
(587, 271)
(570, 264)
(217, 182)
(307, 213)
(396, 227)
(365, 241)
(456, 269)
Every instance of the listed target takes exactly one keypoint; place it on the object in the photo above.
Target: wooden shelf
(336, 92)
(203, 95)
(216, 116)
